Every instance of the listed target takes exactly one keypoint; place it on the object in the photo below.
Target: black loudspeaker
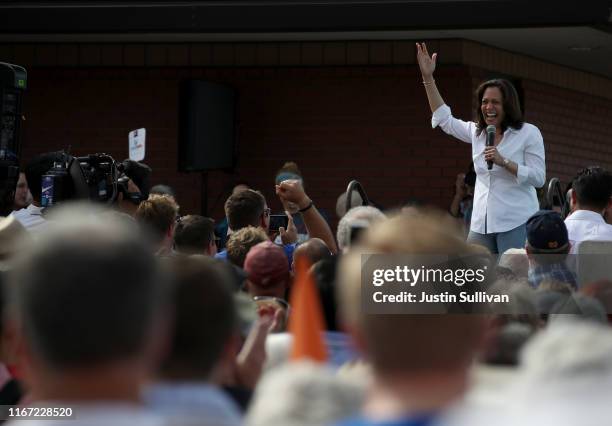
(13, 82)
(206, 126)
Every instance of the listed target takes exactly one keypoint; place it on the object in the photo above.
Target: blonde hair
(241, 241)
(408, 342)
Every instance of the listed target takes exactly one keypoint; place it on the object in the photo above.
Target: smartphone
(277, 221)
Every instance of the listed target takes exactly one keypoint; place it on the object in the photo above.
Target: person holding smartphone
(504, 194)
(291, 172)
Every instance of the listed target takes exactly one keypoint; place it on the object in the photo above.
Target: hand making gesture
(427, 64)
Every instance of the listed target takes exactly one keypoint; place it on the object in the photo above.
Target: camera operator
(23, 197)
(96, 177)
(31, 217)
(128, 205)
(14, 195)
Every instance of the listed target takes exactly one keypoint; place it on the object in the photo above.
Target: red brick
(289, 54)
(24, 54)
(156, 55)
(357, 53)
(312, 53)
(338, 124)
(267, 54)
(6, 52)
(381, 52)
(201, 54)
(46, 55)
(178, 55)
(223, 54)
(334, 53)
(134, 55)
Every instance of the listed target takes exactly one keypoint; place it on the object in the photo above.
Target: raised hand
(291, 190)
(252, 356)
(427, 64)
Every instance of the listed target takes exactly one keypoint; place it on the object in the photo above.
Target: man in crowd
(547, 249)
(194, 234)
(420, 362)
(23, 198)
(90, 305)
(204, 345)
(13, 238)
(516, 261)
(31, 217)
(314, 249)
(158, 216)
(246, 208)
(221, 229)
(356, 219)
(268, 271)
(249, 208)
(589, 197)
(240, 242)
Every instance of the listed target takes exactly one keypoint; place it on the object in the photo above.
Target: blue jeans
(499, 242)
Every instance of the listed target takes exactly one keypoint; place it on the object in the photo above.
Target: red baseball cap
(266, 264)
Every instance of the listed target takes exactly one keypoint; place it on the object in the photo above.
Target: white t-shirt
(31, 218)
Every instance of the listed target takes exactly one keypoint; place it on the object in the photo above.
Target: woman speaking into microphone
(505, 195)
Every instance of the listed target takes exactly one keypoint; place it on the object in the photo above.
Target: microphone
(490, 142)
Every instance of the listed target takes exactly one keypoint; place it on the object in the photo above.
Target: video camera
(96, 177)
(13, 81)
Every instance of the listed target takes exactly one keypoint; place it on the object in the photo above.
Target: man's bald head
(314, 249)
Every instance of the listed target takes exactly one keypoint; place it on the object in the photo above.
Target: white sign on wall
(137, 144)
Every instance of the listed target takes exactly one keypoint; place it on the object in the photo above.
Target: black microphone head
(491, 128)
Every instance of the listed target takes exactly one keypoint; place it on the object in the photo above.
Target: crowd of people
(142, 314)
(148, 318)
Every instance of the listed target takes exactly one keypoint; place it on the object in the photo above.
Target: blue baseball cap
(546, 231)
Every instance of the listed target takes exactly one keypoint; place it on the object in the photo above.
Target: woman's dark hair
(513, 116)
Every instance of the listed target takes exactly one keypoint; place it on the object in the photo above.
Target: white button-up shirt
(586, 225)
(502, 201)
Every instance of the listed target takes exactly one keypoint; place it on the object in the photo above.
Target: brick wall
(575, 128)
(343, 111)
(370, 124)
